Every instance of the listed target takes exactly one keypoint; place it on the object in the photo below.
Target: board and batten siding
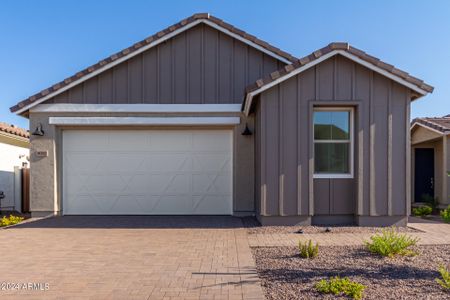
(381, 144)
(200, 65)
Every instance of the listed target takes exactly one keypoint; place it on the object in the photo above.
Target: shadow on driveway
(135, 222)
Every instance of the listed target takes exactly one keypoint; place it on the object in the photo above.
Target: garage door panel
(156, 172)
(91, 140)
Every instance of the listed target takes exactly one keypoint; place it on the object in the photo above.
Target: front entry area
(424, 173)
(147, 172)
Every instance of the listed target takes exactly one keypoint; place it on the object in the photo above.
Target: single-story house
(430, 142)
(14, 154)
(204, 118)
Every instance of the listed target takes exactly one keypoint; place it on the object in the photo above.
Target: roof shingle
(441, 124)
(14, 130)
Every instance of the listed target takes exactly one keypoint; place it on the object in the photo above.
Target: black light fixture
(38, 131)
(246, 130)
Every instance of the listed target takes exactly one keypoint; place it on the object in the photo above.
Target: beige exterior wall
(426, 138)
(46, 172)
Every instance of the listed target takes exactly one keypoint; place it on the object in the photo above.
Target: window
(333, 143)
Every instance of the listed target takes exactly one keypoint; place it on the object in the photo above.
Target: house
(204, 118)
(14, 152)
(430, 144)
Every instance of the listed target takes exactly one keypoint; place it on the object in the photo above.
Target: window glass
(331, 125)
(332, 143)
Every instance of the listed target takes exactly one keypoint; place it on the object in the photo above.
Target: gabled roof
(337, 48)
(14, 130)
(439, 124)
(145, 44)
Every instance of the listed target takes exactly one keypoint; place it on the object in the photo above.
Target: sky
(43, 42)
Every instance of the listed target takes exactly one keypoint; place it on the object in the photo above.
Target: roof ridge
(140, 44)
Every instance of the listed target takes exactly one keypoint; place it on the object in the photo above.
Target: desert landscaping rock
(285, 275)
(253, 227)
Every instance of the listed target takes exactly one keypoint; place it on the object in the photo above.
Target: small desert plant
(423, 210)
(430, 200)
(339, 286)
(445, 214)
(390, 243)
(11, 220)
(444, 281)
(308, 250)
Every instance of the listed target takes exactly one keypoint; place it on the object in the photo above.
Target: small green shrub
(444, 281)
(339, 286)
(430, 200)
(308, 250)
(390, 243)
(11, 220)
(445, 214)
(423, 210)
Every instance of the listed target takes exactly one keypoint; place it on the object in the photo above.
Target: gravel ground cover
(253, 227)
(285, 275)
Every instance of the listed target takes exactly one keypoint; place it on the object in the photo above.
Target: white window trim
(352, 142)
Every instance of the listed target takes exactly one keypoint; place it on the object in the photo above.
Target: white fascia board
(137, 108)
(137, 121)
(134, 53)
(248, 42)
(249, 97)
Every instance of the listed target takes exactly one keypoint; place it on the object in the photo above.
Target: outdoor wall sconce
(246, 130)
(38, 131)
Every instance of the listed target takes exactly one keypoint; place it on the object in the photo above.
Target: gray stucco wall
(380, 187)
(200, 65)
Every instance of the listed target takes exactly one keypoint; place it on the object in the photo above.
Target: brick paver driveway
(132, 257)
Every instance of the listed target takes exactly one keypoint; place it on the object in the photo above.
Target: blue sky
(42, 42)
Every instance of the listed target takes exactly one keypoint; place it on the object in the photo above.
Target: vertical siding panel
(239, 71)
(399, 130)
(150, 76)
(289, 145)
(165, 73)
(272, 147)
(269, 64)
(325, 80)
(120, 82)
(135, 79)
(91, 90)
(180, 62)
(306, 92)
(105, 87)
(195, 64)
(380, 110)
(225, 55)
(76, 94)
(210, 64)
(61, 98)
(344, 69)
(408, 153)
(254, 65)
(362, 93)
(389, 150)
(263, 162)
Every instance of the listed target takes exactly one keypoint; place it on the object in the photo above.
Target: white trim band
(138, 108)
(137, 121)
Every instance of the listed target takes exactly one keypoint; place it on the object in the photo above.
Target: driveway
(119, 257)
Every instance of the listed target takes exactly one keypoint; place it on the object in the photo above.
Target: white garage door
(147, 172)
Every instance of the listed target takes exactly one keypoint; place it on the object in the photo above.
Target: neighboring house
(430, 142)
(14, 151)
(182, 123)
